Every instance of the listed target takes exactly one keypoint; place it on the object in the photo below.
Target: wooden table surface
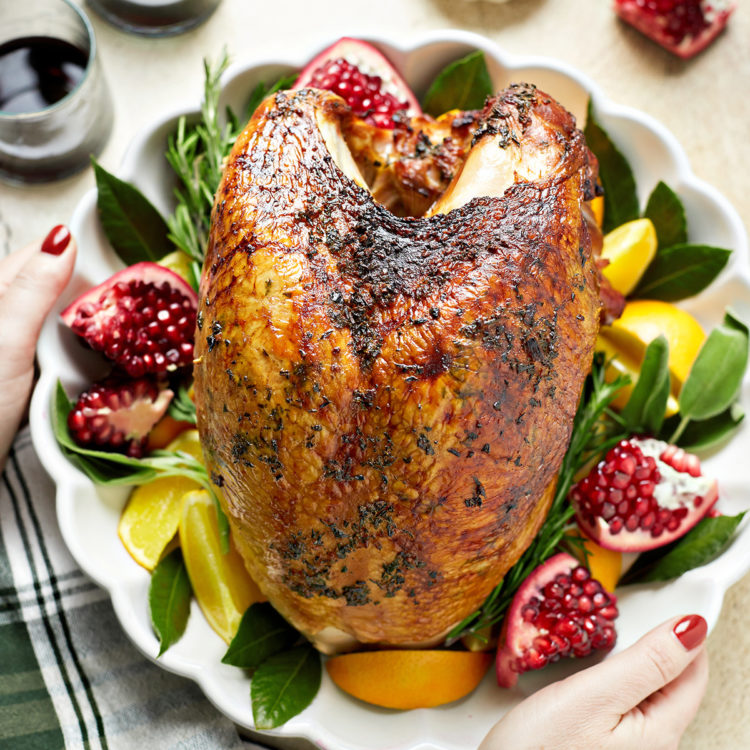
(705, 102)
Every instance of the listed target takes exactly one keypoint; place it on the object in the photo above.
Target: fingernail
(691, 631)
(57, 240)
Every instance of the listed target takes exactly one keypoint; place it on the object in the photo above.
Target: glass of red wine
(55, 107)
(155, 17)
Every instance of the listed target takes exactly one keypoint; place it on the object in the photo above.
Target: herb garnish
(134, 227)
(699, 546)
(169, 599)
(462, 84)
(679, 269)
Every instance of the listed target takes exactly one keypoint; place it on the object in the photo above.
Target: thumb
(28, 298)
(628, 678)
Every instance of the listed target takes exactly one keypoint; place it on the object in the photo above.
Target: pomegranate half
(558, 611)
(644, 494)
(364, 78)
(684, 27)
(142, 318)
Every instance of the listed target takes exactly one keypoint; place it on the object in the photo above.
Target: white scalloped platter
(88, 515)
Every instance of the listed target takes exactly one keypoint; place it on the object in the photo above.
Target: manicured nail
(57, 240)
(691, 631)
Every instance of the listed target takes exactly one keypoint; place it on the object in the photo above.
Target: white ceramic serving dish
(88, 515)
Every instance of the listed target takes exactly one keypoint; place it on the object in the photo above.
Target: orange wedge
(605, 564)
(151, 517)
(164, 432)
(597, 208)
(221, 583)
(409, 679)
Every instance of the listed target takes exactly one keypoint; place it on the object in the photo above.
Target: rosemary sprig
(594, 433)
(196, 152)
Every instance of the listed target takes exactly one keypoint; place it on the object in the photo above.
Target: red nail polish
(57, 240)
(691, 631)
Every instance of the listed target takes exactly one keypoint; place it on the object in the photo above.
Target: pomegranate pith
(117, 415)
(364, 78)
(644, 494)
(142, 318)
(559, 611)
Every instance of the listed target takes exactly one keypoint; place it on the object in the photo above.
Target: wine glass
(155, 17)
(55, 107)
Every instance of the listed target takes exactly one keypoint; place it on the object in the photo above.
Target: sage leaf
(169, 599)
(262, 90)
(262, 633)
(645, 409)
(284, 685)
(134, 228)
(716, 375)
(620, 196)
(667, 214)
(699, 546)
(181, 407)
(708, 433)
(462, 84)
(681, 271)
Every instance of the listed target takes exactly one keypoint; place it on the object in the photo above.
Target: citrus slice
(151, 517)
(164, 432)
(409, 679)
(605, 564)
(629, 249)
(179, 262)
(597, 208)
(641, 322)
(221, 583)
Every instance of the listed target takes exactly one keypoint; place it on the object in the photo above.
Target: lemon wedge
(150, 519)
(220, 582)
(179, 262)
(625, 342)
(629, 249)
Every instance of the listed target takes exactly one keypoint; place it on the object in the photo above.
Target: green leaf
(134, 228)
(699, 546)
(708, 433)
(645, 409)
(169, 599)
(620, 196)
(462, 84)
(262, 633)
(681, 271)
(716, 375)
(262, 90)
(284, 685)
(181, 407)
(667, 214)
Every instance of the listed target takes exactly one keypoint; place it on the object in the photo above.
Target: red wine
(38, 71)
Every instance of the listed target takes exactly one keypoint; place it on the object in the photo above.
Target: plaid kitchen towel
(68, 675)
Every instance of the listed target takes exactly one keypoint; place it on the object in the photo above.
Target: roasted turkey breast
(385, 401)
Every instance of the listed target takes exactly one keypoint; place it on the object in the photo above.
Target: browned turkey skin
(386, 400)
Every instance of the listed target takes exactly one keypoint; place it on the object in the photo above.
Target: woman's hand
(30, 281)
(640, 699)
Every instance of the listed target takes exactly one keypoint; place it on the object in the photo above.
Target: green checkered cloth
(68, 675)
